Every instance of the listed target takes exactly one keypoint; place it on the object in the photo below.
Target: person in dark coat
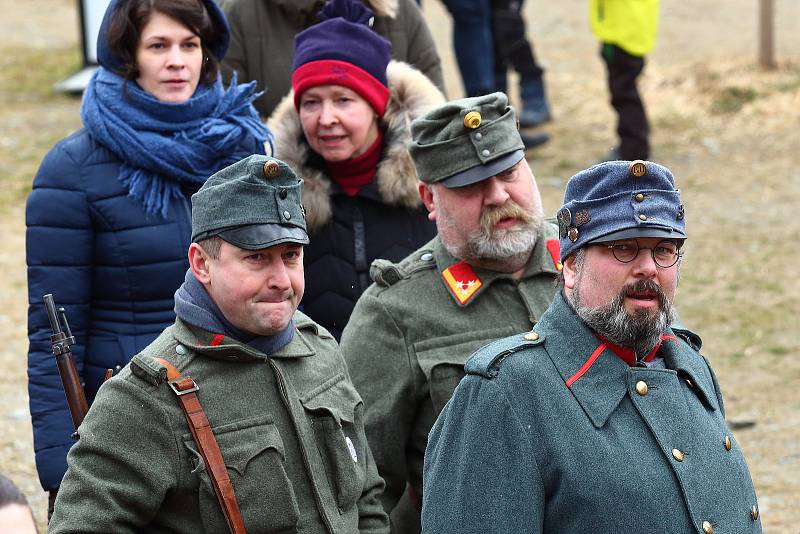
(605, 417)
(109, 217)
(344, 128)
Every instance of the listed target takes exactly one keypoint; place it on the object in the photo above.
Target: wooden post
(766, 36)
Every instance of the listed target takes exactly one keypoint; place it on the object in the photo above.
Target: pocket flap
(455, 349)
(242, 441)
(335, 396)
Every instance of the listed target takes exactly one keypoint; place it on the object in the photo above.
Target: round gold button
(642, 217)
(707, 527)
(271, 168)
(559, 266)
(728, 443)
(637, 168)
(531, 336)
(754, 512)
(639, 197)
(641, 387)
(677, 454)
(472, 120)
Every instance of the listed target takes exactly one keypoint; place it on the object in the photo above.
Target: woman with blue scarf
(109, 217)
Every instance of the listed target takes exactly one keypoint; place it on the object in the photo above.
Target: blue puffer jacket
(113, 266)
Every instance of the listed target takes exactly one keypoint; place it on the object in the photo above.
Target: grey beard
(503, 244)
(638, 331)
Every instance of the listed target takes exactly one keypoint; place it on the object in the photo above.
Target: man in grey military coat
(489, 273)
(272, 384)
(602, 419)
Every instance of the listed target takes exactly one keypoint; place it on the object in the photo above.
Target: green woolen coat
(289, 426)
(408, 338)
(557, 434)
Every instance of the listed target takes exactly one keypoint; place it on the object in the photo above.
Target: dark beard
(638, 331)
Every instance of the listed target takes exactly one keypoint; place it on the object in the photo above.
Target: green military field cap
(253, 204)
(466, 141)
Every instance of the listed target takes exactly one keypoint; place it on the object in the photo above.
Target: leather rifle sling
(186, 390)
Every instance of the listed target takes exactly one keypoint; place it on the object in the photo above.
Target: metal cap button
(283, 194)
(642, 217)
(728, 443)
(707, 527)
(677, 454)
(531, 336)
(287, 215)
(478, 136)
(754, 512)
(426, 256)
(639, 197)
(485, 152)
(180, 349)
(641, 387)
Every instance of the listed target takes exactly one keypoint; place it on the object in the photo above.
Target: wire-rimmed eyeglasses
(666, 253)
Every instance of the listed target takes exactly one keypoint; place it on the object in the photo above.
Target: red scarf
(354, 174)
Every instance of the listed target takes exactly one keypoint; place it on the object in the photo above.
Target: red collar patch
(554, 248)
(462, 281)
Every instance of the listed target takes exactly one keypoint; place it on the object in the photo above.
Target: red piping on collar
(587, 365)
(217, 340)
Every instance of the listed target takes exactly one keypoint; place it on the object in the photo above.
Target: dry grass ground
(727, 129)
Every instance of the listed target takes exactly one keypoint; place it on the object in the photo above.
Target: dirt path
(726, 129)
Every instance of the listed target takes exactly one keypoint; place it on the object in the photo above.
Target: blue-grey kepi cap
(466, 141)
(253, 204)
(620, 200)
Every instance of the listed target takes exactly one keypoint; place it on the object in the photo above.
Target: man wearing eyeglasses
(603, 418)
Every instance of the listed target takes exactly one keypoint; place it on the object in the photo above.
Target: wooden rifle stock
(61, 341)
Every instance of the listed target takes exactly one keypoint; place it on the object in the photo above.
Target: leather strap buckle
(183, 385)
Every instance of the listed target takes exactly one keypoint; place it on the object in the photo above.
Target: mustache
(509, 210)
(642, 286)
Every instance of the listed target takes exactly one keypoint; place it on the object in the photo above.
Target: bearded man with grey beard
(489, 273)
(604, 418)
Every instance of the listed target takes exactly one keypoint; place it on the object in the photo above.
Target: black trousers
(632, 126)
(511, 47)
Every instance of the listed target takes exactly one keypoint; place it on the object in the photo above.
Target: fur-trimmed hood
(412, 95)
(381, 8)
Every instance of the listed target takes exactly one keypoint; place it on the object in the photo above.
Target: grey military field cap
(620, 200)
(466, 141)
(253, 204)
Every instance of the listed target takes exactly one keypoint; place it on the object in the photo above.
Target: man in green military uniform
(603, 419)
(489, 273)
(271, 383)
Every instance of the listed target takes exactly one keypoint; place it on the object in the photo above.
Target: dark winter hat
(620, 200)
(343, 50)
(253, 204)
(466, 141)
(108, 59)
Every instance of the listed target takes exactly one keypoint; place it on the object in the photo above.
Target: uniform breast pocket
(336, 411)
(442, 360)
(254, 457)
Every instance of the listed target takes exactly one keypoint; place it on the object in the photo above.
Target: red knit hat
(343, 50)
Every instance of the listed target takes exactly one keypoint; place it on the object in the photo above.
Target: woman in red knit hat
(344, 129)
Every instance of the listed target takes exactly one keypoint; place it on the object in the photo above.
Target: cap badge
(681, 214)
(564, 218)
(637, 168)
(472, 120)
(582, 217)
(271, 168)
(573, 234)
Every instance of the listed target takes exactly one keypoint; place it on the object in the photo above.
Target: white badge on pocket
(351, 448)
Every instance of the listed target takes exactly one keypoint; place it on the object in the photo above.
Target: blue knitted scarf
(164, 145)
(194, 305)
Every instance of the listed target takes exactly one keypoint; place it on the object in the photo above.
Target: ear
(569, 272)
(199, 263)
(426, 195)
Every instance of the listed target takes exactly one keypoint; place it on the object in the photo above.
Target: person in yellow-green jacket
(627, 32)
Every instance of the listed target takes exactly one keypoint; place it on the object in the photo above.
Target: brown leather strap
(185, 388)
